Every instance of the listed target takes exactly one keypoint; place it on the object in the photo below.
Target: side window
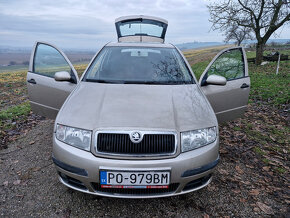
(48, 61)
(230, 65)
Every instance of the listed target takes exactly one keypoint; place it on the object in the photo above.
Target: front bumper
(190, 171)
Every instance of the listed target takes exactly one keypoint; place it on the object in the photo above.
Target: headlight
(73, 136)
(197, 138)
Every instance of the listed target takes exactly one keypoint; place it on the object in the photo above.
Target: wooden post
(277, 70)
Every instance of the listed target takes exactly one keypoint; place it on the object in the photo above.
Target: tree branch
(248, 9)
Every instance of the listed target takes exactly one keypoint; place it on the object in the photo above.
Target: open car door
(46, 95)
(226, 83)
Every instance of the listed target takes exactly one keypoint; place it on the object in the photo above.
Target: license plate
(129, 179)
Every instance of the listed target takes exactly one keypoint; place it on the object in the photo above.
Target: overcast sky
(89, 24)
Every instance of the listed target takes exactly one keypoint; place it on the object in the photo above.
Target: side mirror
(62, 76)
(216, 80)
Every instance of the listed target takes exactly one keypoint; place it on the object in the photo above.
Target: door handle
(32, 81)
(245, 85)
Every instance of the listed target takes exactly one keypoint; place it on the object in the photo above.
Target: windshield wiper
(105, 81)
(141, 82)
(157, 82)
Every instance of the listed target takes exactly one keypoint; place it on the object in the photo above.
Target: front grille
(135, 191)
(151, 144)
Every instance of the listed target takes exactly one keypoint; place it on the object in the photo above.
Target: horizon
(216, 43)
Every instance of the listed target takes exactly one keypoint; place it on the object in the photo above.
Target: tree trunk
(259, 52)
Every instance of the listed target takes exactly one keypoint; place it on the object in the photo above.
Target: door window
(229, 64)
(48, 61)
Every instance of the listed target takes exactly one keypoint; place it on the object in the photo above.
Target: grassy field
(195, 56)
(266, 87)
(14, 106)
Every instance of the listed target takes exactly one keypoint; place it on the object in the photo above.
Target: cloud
(90, 23)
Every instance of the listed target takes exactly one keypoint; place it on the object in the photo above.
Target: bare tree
(238, 34)
(263, 17)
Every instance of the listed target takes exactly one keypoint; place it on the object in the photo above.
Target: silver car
(137, 124)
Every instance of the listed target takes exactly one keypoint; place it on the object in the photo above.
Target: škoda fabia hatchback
(137, 123)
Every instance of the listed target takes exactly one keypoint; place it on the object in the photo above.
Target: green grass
(259, 151)
(275, 148)
(251, 54)
(280, 133)
(266, 161)
(256, 135)
(236, 128)
(266, 86)
(280, 170)
(14, 114)
(198, 68)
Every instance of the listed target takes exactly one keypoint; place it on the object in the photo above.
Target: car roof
(140, 44)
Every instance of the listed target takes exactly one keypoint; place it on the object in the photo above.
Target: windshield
(139, 65)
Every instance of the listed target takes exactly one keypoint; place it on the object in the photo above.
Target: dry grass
(194, 56)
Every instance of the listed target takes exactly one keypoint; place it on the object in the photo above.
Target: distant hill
(192, 45)
(196, 44)
(279, 41)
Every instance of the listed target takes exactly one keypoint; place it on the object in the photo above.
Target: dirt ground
(243, 186)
